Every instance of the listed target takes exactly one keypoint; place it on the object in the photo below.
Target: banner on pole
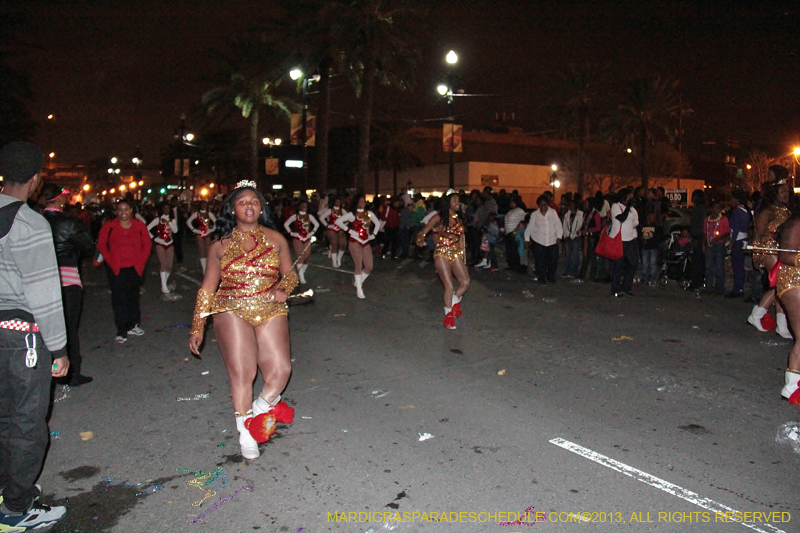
(451, 138)
(271, 166)
(295, 128)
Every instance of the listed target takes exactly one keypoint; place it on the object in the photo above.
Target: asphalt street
(647, 414)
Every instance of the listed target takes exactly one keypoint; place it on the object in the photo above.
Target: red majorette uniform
(165, 227)
(357, 226)
(201, 223)
(328, 217)
(301, 226)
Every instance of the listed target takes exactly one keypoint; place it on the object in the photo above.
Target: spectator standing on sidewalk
(652, 236)
(592, 226)
(544, 234)
(696, 224)
(625, 219)
(72, 240)
(33, 340)
(573, 240)
(740, 223)
(513, 217)
(716, 231)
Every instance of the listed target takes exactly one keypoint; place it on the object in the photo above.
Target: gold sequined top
(451, 240)
(770, 238)
(247, 277)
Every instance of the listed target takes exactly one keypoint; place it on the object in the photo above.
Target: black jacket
(70, 236)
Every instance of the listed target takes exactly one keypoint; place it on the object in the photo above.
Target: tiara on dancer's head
(246, 183)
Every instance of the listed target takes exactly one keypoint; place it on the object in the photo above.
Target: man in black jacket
(72, 239)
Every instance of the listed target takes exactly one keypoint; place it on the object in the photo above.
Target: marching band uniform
(165, 227)
(301, 226)
(769, 240)
(357, 226)
(328, 217)
(202, 224)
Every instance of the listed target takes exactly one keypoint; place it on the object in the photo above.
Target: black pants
(24, 401)
(72, 297)
(390, 244)
(125, 298)
(546, 258)
(625, 267)
(177, 240)
(698, 264)
(590, 259)
(512, 253)
(473, 240)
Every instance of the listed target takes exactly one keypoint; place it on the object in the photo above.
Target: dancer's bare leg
(356, 252)
(274, 356)
(461, 272)
(443, 268)
(237, 342)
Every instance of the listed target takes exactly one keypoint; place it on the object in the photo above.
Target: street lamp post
(447, 91)
(295, 74)
(554, 179)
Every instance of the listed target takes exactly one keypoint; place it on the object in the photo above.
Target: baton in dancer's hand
(308, 294)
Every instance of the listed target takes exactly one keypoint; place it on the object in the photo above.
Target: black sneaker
(76, 380)
(40, 516)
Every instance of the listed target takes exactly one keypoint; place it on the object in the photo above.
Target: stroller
(677, 263)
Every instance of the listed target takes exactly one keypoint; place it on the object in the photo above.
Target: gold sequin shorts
(788, 279)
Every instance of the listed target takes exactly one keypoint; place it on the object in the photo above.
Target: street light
(447, 91)
(554, 179)
(296, 74)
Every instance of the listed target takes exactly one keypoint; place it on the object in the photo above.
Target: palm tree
(581, 84)
(250, 70)
(375, 45)
(393, 148)
(647, 104)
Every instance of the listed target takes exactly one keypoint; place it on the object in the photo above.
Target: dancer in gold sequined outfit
(449, 255)
(248, 279)
(362, 227)
(770, 217)
(788, 283)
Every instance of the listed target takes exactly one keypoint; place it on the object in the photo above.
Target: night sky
(118, 74)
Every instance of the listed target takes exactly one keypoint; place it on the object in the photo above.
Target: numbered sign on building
(678, 196)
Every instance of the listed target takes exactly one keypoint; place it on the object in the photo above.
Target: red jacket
(123, 247)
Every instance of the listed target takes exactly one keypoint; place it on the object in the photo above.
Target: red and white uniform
(202, 223)
(301, 226)
(165, 228)
(357, 225)
(329, 216)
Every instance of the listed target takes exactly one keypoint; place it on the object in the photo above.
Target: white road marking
(653, 481)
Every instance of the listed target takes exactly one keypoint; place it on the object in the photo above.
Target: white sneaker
(119, 339)
(136, 330)
(482, 264)
(40, 516)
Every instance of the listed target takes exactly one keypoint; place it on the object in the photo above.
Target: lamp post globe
(451, 57)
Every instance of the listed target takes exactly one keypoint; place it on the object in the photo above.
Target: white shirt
(544, 229)
(572, 224)
(513, 218)
(628, 227)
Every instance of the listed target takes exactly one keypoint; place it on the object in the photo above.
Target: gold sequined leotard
(770, 237)
(247, 277)
(788, 279)
(451, 240)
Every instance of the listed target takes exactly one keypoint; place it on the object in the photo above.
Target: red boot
(449, 321)
(457, 310)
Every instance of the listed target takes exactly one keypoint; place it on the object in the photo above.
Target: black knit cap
(20, 161)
